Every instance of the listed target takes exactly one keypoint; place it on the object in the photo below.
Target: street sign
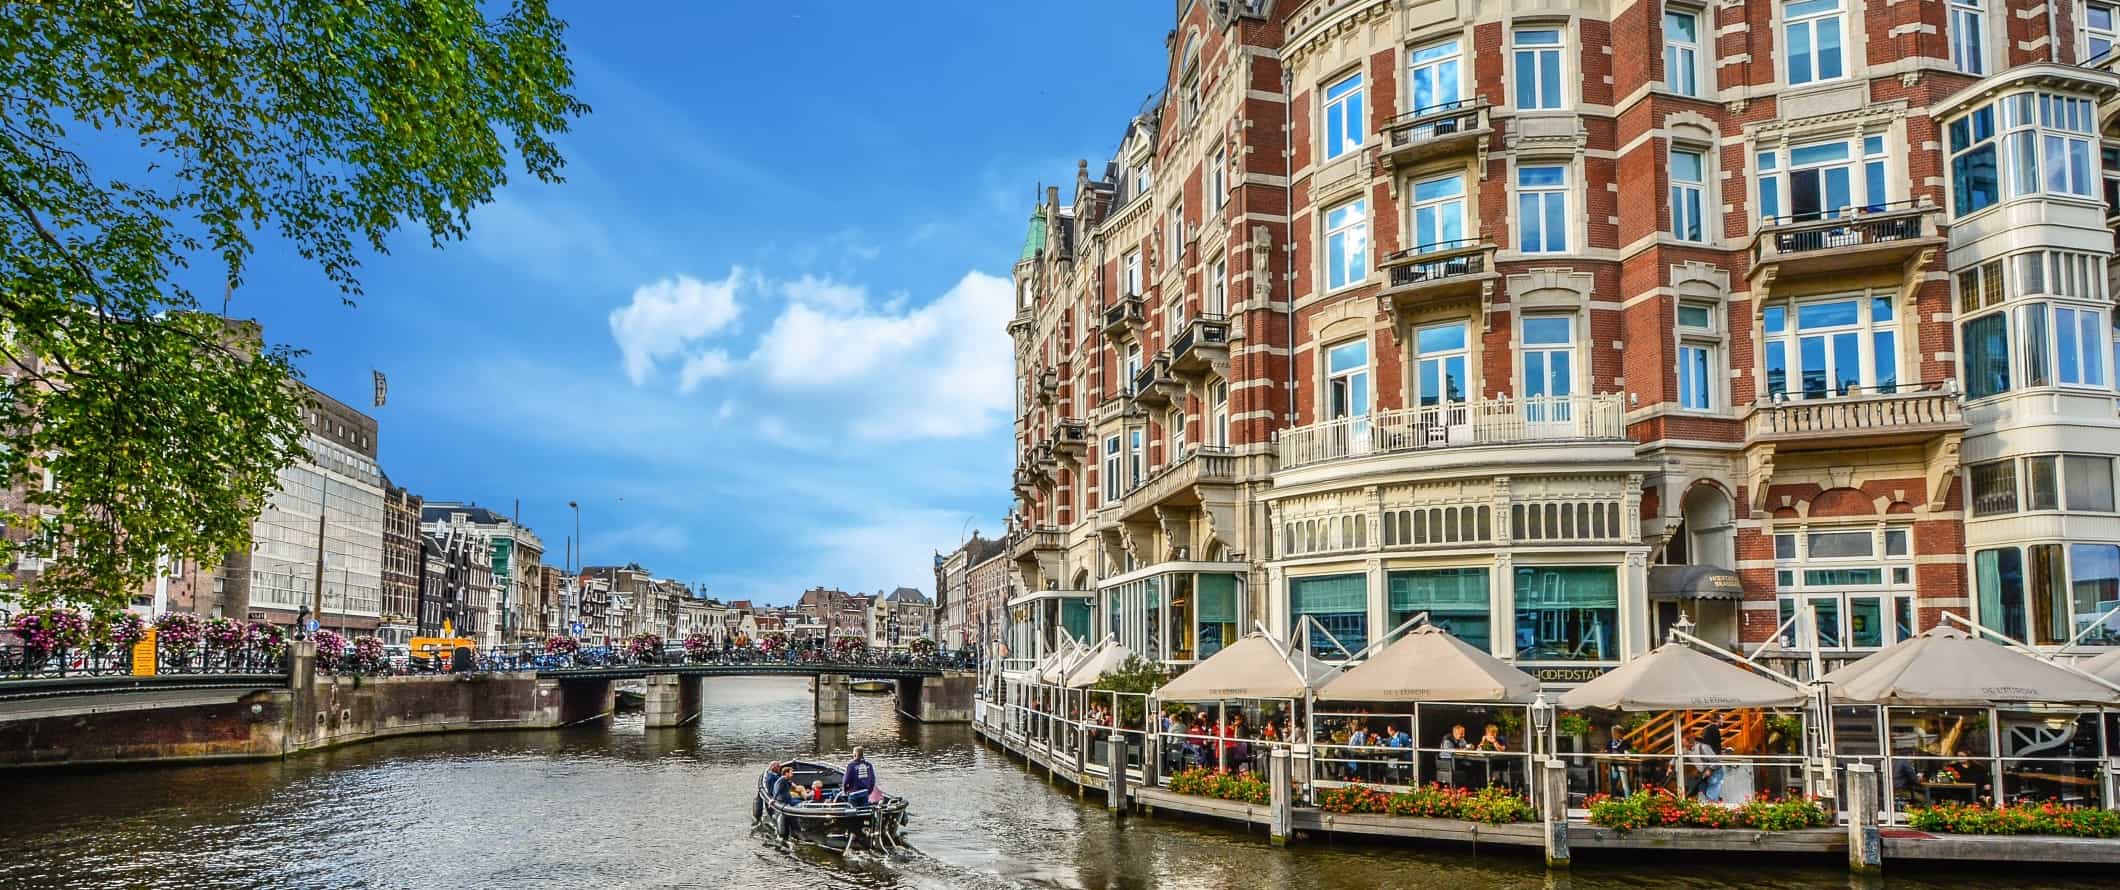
(577, 628)
(312, 625)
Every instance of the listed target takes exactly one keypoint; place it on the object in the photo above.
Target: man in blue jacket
(860, 779)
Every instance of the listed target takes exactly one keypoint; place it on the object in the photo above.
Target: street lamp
(577, 545)
(1541, 720)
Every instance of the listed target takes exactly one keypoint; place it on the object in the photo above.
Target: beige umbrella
(1107, 657)
(1251, 668)
(1678, 677)
(1944, 667)
(1053, 670)
(2106, 666)
(1430, 664)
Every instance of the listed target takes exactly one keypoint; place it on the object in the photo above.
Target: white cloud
(825, 293)
(665, 318)
(702, 366)
(726, 411)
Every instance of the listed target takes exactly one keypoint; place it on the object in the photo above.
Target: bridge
(103, 710)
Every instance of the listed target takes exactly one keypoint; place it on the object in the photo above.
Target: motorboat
(872, 687)
(875, 822)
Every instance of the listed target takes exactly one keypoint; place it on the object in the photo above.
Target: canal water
(620, 806)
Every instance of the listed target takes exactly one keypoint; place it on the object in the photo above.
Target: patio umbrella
(1107, 657)
(1943, 667)
(1678, 677)
(1055, 669)
(1430, 664)
(2106, 666)
(1251, 668)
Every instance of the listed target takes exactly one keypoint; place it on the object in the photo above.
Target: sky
(758, 335)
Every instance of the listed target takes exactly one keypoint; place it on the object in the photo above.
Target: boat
(834, 825)
(870, 686)
(629, 698)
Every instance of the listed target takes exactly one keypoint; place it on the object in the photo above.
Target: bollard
(1865, 847)
(1553, 805)
(1115, 772)
(1299, 770)
(1282, 801)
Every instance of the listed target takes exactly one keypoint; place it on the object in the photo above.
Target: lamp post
(1541, 720)
(576, 546)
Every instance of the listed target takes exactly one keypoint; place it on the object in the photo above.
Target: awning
(1253, 667)
(1694, 583)
(1107, 657)
(1678, 677)
(1944, 667)
(1431, 665)
(1052, 671)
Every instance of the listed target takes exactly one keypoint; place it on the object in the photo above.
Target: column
(832, 697)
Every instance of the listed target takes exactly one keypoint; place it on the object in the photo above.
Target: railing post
(1865, 847)
(1115, 771)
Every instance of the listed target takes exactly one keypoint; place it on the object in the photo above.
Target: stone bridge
(186, 717)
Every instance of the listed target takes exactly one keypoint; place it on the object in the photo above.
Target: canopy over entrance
(1694, 583)
(1677, 677)
(1252, 668)
(1943, 667)
(1430, 664)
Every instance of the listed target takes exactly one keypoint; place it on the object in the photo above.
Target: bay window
(1857, 583)
(1455, 599)
(1682, 51)
(1343, 116)
(1437, 74)
(1542, 209)
(2048, 594)
(2022, 144)
(1567, 613)
(2058, 343)
(1688, 177)
(1439, 212)
(1347, 244)
(2080, 483)
(1812, 31)
(1539, 72)
(1836, 346)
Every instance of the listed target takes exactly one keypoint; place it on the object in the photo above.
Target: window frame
(1896, 586)
(1541, 56)
(1707, 340)
(1866, 328)
(1353, 264)
(1341, 99)
(1545, 193)
(1683, 55)
(1450, 63)
(1811, 22)
(1682, 189)
(1965, 24)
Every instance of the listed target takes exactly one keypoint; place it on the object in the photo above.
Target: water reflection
(622, 806)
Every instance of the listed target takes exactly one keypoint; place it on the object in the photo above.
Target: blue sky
(758, 334)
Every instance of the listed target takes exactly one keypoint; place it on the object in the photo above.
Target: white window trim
(1716, 340)
(1851, 47)
(1367, 258)
(1568, 52)
(1703, 52)
(1358, 99)
(1575, 233)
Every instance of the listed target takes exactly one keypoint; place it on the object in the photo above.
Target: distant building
(906, 615)
(955, 620)
(402, 564)
(517, 555)
(332, 493)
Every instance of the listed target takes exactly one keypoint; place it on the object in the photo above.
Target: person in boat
(816, 794)
(860, 778)
(774, 782)
(792, 792)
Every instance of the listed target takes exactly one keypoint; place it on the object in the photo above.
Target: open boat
(870, 686)
(837, 825)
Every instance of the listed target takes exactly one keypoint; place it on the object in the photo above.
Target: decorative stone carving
(1942, 459)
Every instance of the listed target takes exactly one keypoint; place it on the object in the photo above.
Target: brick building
(402, 570)
(1561, 323)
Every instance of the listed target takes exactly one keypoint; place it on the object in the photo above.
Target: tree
(328, 124)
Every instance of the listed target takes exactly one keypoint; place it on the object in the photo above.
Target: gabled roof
(907, 595)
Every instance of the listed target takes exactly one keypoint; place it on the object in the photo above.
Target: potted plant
(177, 638)
(50, 633)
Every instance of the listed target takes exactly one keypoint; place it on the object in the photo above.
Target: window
(1343, 116)
(1698, 352)
(1455, 599)
(1347, 380)
(1987, 355)
(1823, 180)
(1437, 74)
(1339, 604)
(1687, 178)
(2021, 144)
(1968, 40)
(1839, 346)
(2089, 481)
(1347, 244)
(1811, 30)
(1538, 68)
(2099, 33)
(1542, 209)
(1549, 366)
(1857, 584)
(1111, 469)
(1567, 613)
(2060, 344)
(1439, 363)
(1136, 457)
(1218, 415)
(1220, 174)
(1218, 287)
(2025, 594)
(1682, 51)
(1439, 213)
(1133, 363)
(1142, 180)
(1177, 237)
(1132, 264)
(1994, 487)
(2079, 346)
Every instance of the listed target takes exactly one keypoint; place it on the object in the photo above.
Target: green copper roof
(1034, 240)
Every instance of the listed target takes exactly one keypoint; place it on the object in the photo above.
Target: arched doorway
(1695, 572)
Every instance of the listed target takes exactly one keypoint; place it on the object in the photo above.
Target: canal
(624, 807)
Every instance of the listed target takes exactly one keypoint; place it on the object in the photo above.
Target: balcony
(1048, 386)
(1899, 415)
(1440, 272)
(1070, 438)
(1027, 544)
(1043, 459)
(1124, 317)
(1153, 385)
(1178, 484)
(1900, 236)
(1436, 131)
(1020, 323)
(1201, 348)
(1534, 420)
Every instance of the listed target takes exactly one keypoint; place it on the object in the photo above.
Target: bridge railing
(22, 662)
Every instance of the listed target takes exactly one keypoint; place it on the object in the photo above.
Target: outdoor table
(1929, 790)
